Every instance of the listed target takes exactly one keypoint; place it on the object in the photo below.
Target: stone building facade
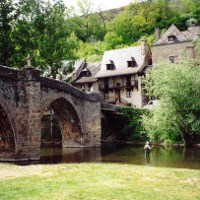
(120, 75)
(175, 44)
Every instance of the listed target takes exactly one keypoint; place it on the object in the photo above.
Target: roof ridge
(123, 48)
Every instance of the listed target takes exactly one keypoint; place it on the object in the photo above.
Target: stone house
(119, 78)
(174, 44)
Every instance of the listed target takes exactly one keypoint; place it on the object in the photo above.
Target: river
(176, 157)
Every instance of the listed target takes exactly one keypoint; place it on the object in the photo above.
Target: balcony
(132, 83)
(119, 84)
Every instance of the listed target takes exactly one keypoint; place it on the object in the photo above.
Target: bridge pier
(32, 108)
(28, 116)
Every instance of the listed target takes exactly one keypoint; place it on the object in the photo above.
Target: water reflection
(160, 156)
(70, 155)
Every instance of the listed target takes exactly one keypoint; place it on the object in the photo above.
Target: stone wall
(178, 50)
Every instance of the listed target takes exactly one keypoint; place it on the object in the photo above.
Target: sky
(102, 4)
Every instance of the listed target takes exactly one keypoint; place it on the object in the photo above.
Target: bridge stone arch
(24, 95)
(85, 128)
(10, 112)
(68, 119)
(49, 97)
(7, 129)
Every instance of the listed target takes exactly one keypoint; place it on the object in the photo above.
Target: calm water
(177, 157)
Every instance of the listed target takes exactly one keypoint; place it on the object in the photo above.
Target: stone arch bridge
(25, 96)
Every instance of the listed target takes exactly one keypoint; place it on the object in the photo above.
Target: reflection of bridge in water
(25, 97)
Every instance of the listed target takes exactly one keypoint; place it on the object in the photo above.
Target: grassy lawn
(97, 181)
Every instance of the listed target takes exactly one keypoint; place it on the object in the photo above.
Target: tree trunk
(188, 140)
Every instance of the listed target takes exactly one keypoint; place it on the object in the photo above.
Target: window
(106, 82)
(106, 96)
(132, 63)
(128, 93)
(110, 66)
(171, 38)
(128, 81)
(90, 88)
(171, 59)
(85, 73)
(83, 88)
(150, 61)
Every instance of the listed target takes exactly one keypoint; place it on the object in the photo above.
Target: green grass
(97, 182)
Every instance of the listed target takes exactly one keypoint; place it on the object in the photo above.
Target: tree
(131, 123)
(143, 8)
(112, 40)
(123, 28)
(178, 88)
(37, 28)
(54, 41)
(24, 35)
(8, 14)
(87, 25)
(184, 6)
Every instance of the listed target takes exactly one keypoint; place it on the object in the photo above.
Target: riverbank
(162, 144)
(88, 181)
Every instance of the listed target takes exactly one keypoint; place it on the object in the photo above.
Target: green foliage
(93, 51)
(8, 15)
(122, 29)
(159, 127)
(184, 6)
(55, 43)
(88, 26)
(178, 115)
(112, 40)
(39, 29)
(133, 129)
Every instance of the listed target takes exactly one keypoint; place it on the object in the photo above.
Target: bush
(132, 129)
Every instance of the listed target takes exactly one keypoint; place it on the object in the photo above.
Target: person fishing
(147, 149)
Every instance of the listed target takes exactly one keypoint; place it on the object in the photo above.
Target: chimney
(157, 33)
(144, 47)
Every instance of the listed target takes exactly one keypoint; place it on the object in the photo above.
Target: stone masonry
(25, 96)
(177, 50)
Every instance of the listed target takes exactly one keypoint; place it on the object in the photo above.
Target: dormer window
(171, 38)
(132, 63)
(85, 73)
(110, 66)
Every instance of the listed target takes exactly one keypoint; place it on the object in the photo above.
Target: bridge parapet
(65, 87)
(31, 74)
(9, 73)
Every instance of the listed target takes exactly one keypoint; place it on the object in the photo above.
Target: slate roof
(93, 68)
(181, 36)
(119, 58)
(77, 68)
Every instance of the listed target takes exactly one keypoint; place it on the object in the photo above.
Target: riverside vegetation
(97, 181)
